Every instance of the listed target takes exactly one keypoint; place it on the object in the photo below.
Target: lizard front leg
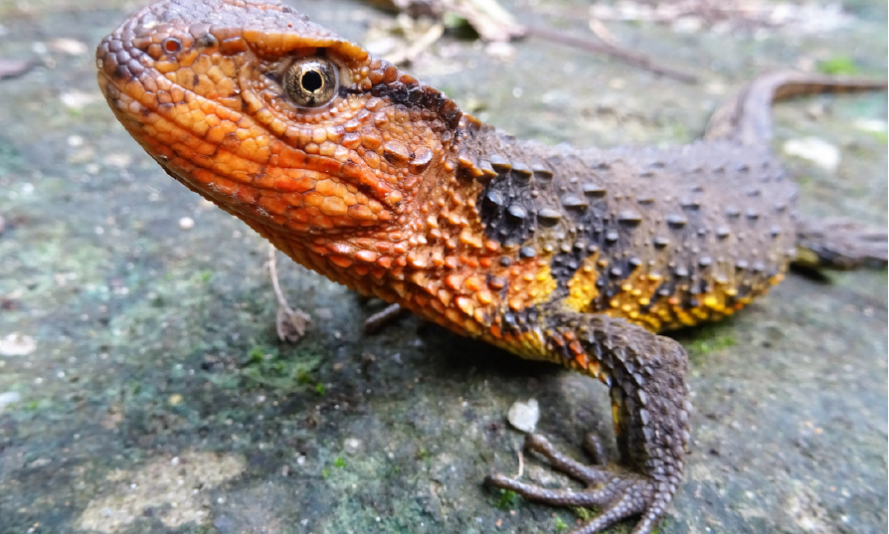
(646, 375)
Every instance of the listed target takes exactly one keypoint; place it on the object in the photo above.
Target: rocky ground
(143, 389)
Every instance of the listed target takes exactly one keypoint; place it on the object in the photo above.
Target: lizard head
(276, 119)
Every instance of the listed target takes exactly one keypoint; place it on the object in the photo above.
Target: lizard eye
(311, 82)
(171, 45)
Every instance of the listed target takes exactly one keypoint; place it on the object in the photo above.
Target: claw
(556, 497)
(569, 466)
(620, 509)
(620, 494)
(595, 449)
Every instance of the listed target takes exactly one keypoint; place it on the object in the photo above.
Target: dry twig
(521, 462)
(11, 68)
(290, 323)
(495, 24)
(627, 56)
(417, 47)
(382, 318)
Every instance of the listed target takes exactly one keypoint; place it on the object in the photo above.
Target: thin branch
(407, 55)
(493, 24)
(11, 68)
(601, 32)
(290, 323)
(521, 463)
(633, 58)
(382, 318)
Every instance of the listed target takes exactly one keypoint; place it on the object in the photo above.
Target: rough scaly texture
(554, 253)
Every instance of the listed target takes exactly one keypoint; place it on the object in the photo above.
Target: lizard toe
(618, 492)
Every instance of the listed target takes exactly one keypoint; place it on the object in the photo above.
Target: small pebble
(352, 445)
(72, 47)
(501, 50)
(78, 100)
(118, 160)
(10, 397)
(17, 345)
(872, 125)
(40, 462)
(524, 415)
(818, 151)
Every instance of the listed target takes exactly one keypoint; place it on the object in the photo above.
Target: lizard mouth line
(225, 155)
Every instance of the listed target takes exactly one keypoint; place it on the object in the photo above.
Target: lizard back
(664, 238)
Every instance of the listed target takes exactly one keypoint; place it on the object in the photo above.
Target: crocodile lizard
(364, 174)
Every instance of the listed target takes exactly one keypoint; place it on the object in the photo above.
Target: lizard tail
(840, 244)
(746, 116)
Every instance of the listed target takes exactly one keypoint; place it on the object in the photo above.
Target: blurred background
(143, 387)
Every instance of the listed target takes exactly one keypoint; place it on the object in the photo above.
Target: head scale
(275, 119)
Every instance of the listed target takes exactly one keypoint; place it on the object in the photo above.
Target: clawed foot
(619, 494)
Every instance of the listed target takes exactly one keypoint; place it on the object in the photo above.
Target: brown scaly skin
(553, 253)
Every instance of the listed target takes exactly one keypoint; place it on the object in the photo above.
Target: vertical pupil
(312, 81)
